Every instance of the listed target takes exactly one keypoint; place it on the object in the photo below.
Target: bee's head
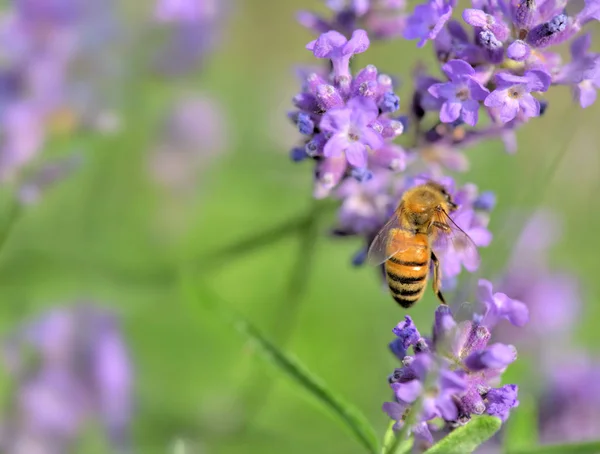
(448, 198)
(445, 198)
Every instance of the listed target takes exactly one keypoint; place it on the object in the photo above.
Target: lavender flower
(427, 20)
(335, 47)
(513, 94)
(462, 93)
(453, 373)
(194, 30)
(583, 73)
(552, 297)
(570, 401)
(192, 136)
(381, 18)
(42, 96)
(348, 124)
(351, 131)
(81, 369)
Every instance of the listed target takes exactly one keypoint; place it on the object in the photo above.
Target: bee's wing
(379, 251)
(456, 237)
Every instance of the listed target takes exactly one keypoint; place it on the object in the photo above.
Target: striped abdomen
(408, 269)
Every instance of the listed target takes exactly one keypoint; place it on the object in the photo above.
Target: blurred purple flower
(513, 94)
(185, 10)
(570, 401)
(499, 306)
(194, 30)
(380, 18)
(52, 172)
(583, 73)
(462, 94)
(68, 366)
(192, 136)
(427, 20)
(455, 254)
(552, 297)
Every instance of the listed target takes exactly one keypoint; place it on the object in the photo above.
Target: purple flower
(487, 22)
(420, 430)
(518, 51)
(407, 336)
(513, 94)
(499, 305)
(570, 400)
(194, 28)
(553, 32)
(462, 94)
(501, 400)
(456, 254)
(192, 137)
(409, 384)
(553, 297)
(382, 19)
(184, 10)
(81, 372)
(427, 20)
(453, 375)
(591, 11)
(496, 356)
(328, 174)
(366, 206)
(583, 73)
(350, 131)
(339, 50)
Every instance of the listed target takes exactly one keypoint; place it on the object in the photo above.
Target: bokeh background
(180, 160)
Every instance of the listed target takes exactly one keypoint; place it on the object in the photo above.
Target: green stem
(285, 315)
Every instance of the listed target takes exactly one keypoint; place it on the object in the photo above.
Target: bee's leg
(437, 278)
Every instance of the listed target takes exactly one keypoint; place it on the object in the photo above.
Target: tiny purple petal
(358, 43)
(450, 111)
(475, 17)
(580, 46)
(407, 392)
(326, 45)
(455, 69)
(356, 154)
(496, 356)
(501, 400)
(518, 51)
(470, 112)
(529, 106)
(538, 80)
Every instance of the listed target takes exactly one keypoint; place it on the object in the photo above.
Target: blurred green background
(101, 235)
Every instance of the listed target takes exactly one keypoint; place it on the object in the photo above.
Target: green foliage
(392, 443)
(291, 367)
(521, 427)
(592, 447)
(467, 438)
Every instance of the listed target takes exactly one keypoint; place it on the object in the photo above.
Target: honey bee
(406, 244)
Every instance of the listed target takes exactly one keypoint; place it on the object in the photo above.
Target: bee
(406, 244)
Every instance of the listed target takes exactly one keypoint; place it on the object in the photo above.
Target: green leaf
(347, 413)
(393, 446)
(522, 428)
(467, 438)
(591, 447)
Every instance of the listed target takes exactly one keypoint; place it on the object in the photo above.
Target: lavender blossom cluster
(496, 65)
(456, 372)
